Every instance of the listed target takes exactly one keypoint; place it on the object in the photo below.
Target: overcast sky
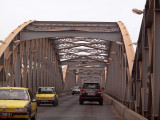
(15, 12)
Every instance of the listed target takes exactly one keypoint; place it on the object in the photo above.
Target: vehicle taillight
(82, 91)
(100, 91)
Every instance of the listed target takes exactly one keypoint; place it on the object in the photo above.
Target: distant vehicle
(47, 95)
(76, 90)
(17, 102)
(91, 92)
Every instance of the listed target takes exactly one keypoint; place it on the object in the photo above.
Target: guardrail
(127, 113)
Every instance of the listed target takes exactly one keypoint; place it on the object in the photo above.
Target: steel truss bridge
(64, 54)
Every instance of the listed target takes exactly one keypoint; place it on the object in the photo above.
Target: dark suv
(91, 92)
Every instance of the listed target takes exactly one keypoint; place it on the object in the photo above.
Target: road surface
(69, 109)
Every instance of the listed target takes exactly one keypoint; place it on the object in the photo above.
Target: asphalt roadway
(69, 109)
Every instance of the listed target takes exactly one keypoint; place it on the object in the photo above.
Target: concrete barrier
(127, 113)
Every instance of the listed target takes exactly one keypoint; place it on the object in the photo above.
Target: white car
(76, 90)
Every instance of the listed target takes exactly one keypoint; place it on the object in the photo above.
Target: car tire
(29, 118)
(57, 102)
(34, 117)
(38, 104)
(101, 102)
(81, 102)
(72, 93)
(54, 104)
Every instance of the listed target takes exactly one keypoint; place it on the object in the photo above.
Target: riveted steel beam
(89, 73)
(156, 59)
(81, 26)
(83, 75)
(77, 63)
(86, 68)
(145, 76)
(73, 50)
(116, 37)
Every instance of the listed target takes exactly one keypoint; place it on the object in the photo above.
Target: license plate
(45, 101)
(91, 93)
(5, 115)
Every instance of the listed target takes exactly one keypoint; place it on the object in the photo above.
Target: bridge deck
(69, 109)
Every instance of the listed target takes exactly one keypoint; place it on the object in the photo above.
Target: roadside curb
(127, 113)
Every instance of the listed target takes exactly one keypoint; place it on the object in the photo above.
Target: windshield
(91, 86)
(13, 94)
(46, 91)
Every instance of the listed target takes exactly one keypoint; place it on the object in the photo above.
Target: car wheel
(34, 117)
(72, 93)
(29, 118)
(54, 104)
(81, 102)
(101, 102)
(38, 104)
(57, 102)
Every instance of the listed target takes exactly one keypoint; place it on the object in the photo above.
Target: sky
(15, 12)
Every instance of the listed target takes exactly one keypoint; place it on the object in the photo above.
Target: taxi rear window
(46, 91)
(13, 94)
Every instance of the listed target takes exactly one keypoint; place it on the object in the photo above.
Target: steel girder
(119, 69)
(77, 43)
(31, 63)
(92, 51)
(87, 68)
(70, 79)
(145, 73)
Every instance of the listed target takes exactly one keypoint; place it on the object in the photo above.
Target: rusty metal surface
(145, 74)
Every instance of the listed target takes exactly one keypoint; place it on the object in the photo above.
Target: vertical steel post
(156, 61)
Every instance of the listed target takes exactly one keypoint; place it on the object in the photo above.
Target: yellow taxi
(17, 102)
(47, 95)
